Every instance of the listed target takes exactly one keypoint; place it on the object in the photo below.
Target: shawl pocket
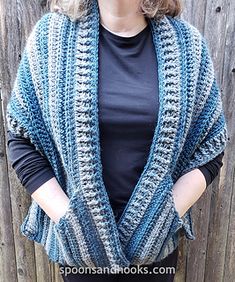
(68, 231)
(167, 228)
(171, 234)
(162, 223)
(177, 225)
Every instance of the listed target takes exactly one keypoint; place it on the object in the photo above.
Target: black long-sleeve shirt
(128, 111)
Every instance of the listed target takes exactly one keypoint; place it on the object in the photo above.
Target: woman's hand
(188, 189)
(52, 199)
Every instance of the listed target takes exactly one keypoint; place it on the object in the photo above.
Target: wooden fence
(211, 257)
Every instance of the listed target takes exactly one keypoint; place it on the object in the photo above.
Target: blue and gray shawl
(54, 104)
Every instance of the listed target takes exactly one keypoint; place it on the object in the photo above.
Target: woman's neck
(122, 17)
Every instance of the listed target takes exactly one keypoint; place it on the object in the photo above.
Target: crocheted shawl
(54, 104)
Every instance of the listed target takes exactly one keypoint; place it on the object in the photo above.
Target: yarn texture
(54, 104)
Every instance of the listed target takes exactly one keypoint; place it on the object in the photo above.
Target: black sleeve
(211, 169)
(31, 167)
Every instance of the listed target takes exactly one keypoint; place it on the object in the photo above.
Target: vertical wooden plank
(43, 272)
(47, 271)
(56, 276)
(194, 13)
(228, 82)
(7, 250)
(196, 256)
(215, 28)
(229, 264)
(181, 262)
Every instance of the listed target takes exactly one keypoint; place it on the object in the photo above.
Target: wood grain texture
(211, 257)
(228, 82)
(7, 249)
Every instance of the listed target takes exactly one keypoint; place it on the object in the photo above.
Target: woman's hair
(76, 9)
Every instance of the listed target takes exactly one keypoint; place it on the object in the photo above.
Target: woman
(160, 133)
